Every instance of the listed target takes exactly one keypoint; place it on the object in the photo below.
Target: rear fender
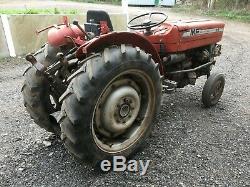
(118, 38)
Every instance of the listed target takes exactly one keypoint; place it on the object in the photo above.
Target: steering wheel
(148, 23)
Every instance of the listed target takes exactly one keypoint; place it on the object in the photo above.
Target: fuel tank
(60, 35)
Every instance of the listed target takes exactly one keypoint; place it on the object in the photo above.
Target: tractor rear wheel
(36, 94)
(213, 89)
(111, 103)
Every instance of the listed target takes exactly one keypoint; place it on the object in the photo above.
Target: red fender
(118, 38)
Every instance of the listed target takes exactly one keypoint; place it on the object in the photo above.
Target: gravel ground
(190, 146)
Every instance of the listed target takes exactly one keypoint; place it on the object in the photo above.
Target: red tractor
(107, 85)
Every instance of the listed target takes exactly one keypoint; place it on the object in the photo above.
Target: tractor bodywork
(168, 40)
(107, 85)
(181, 36)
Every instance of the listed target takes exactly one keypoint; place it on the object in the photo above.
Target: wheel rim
(120, 109)
(217, 92)
(123, 111)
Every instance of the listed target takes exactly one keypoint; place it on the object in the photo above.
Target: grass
(56, 10)
(114, 2)
(239, 15)
(39, 11)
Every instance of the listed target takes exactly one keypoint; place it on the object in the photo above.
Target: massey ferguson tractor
(107, 85)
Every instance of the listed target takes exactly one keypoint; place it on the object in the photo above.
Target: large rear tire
(36, 93)
(111, 103)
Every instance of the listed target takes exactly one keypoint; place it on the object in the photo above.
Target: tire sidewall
(210, 87)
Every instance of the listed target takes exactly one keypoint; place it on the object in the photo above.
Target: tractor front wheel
(213, 89)
(111, 103)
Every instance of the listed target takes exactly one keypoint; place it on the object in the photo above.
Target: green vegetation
(56, 10)
(114, 2)
(229, 9)
(39, 11)
(241, 15)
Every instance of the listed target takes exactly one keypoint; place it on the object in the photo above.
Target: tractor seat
(94, 18)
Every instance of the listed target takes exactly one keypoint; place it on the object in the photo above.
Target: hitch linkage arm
(63, 61)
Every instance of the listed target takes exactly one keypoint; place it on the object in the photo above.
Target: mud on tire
(117, 72)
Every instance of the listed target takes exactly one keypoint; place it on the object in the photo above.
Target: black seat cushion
(95, 16)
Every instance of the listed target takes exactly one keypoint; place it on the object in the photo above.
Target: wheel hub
(217, 91)
(124, 110)
(120, 109)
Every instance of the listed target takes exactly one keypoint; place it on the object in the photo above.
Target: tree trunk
(236, 6)
(204, 3)
(211, 4)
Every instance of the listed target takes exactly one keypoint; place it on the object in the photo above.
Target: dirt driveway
(190, 146)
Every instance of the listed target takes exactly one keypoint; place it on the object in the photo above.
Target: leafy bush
(219, 4)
